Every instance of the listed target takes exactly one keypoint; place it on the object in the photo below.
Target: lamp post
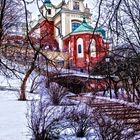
(107, 59)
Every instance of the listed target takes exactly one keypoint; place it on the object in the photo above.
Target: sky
(34, 10)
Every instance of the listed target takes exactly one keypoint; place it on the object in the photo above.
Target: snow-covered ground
(13, 123)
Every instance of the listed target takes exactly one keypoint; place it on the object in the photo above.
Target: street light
(107, 59)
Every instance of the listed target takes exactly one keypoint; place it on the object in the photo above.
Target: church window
(49, 11)
(93, 49)
(76, 6)
(80, 47)
(75, 25)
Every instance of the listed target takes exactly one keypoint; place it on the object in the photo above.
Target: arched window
(80, 51)
(75, 25)
(79, 48)
(93, 49)
(49, 11)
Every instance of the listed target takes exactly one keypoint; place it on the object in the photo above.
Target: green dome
(48, 2)
(102, 31)
(84, 27)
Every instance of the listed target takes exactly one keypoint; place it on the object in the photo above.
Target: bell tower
(48, 9)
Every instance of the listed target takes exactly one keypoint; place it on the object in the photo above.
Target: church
(67, 28)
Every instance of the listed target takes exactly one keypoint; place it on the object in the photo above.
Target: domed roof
(102, 31)
(84, 27)
(47, 2)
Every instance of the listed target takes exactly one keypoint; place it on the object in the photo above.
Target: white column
(60, 44)
(70, 23)
(63, 20)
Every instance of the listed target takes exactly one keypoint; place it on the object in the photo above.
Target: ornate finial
(84, 19)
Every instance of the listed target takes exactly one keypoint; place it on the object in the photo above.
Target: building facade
(68, 24)
(84, 47)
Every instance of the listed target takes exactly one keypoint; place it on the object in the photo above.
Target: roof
(102, 31)
(47, 2)
(84, 27)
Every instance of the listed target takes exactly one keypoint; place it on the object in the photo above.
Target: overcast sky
(33, 8)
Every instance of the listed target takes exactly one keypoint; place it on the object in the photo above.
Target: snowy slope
(12, 117)
(13, 123)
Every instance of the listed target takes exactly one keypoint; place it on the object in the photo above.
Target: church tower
(48, 9)
(69, 17)
(66, 17)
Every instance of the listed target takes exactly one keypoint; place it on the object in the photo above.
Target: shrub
(44, 121)
(56, 93)
(80, 120)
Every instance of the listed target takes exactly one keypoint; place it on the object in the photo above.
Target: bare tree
(40, 61)
(121, 21)
(37, 47)
(9, 18)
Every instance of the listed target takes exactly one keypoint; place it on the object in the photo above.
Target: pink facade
(44, 32)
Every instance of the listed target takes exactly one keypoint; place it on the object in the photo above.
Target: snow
(68, 72)
(13, 122)
(12, 117)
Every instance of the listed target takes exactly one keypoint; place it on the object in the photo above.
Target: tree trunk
(28, 73)
(23, 85)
